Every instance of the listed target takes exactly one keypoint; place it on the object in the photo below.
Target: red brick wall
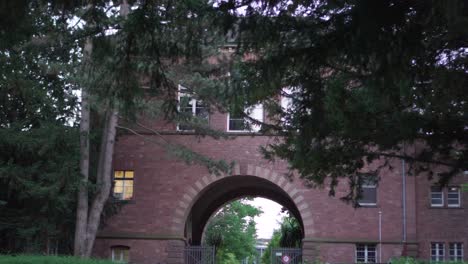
(162, 186)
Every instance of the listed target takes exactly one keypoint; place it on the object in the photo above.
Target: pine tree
(366, 80)
(38, 137)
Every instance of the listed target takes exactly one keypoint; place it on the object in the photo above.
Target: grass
(36, 259)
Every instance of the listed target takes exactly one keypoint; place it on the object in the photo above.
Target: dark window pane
(368, 195)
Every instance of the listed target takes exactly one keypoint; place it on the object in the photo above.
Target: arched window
(120, 254)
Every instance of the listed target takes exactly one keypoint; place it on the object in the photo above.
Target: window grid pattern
(456, 251)
(453, 197)
(437, 197)
(123, 185)
(366, 253)
(437, 251)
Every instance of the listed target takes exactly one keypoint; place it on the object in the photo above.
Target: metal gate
(286, 256)
(199, 255)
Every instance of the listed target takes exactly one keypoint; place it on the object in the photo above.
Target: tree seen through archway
(233, 230)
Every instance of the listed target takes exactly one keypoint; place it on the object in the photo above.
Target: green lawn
(32, 259)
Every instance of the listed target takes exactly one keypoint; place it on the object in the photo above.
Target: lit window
(437, 251)
(437, 196)
(237, 121)
(456, 251)
(123, 185)
(366, 253)
(453, 197)
(368, 195)
(120, 254)
(191, 107)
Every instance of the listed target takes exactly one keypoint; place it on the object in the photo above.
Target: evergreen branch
(414, 159)
(185, 153)
(152, 130)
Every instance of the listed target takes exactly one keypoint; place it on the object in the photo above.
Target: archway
(220, 192)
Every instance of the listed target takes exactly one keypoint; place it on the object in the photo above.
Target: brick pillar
(175, 252)
(310, 251)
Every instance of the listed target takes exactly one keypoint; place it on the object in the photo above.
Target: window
(123, 185)
(453, 197)
(120, 253)
(437, 196)
(191, 107)
(366, 253)
(456, 251)
(368, 192)
(237, 122)
(437, 251)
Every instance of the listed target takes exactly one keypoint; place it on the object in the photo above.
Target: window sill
(129, 201)
(368, 206)
(445, 207)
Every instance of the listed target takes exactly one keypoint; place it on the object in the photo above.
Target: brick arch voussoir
(192, 193)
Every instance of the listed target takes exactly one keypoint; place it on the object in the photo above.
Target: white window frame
(254, 128)
(193, 101)
(441, 197)
(437, 246)
(451, 189)
(366, 253)
(454, 247)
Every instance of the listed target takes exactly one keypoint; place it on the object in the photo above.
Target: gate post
(310, 251)
(175, 252)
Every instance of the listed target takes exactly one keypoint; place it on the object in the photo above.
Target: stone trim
(193, 192)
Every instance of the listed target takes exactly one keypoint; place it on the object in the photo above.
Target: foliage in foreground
(366, 79)
(408, 260)
(35, 259)
(232, 231)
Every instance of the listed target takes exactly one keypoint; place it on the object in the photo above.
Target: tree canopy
(232, 231)
(366, 80)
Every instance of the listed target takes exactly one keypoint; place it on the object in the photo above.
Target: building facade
(167, 202)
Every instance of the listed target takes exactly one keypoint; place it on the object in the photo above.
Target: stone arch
(286, 192)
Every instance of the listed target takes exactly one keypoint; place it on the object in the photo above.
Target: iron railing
(286, 256)
(199, 255)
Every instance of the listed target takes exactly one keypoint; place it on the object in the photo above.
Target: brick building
(169, 202)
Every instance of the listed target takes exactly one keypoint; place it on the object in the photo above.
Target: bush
(28, 259)
(408, 260)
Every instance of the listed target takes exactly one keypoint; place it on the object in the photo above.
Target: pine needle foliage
(369, 80)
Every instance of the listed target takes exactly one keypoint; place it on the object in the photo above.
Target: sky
(269, 220)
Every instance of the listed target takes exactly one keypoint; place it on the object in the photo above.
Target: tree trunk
(82, 207)
(88, 219)
(104, 178)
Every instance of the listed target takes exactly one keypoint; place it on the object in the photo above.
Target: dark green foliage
(291, 233)
(38, 177)
(232, 231)
(38, 140)
(371, 78)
